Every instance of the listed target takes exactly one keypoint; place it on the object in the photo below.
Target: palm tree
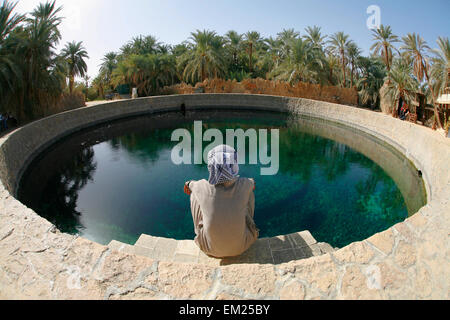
(164, 48)
(86, 79)
(48, 13)
(415, 47)
(8, 22)
(338, 45)
(301, 64)
(373, 72)
(440, 71)
(332, 63)
(384, 44)
(353, 53)
(288, 34)
(205, 59)
(273, 51)
(9, 70)
(98, 84)
(41, 67)
(74, 53)
(286, 37)
(123, 73)
(141, 45)
(233, 41)
(252, 39)
(108, 65)
(151, 72)
(314, 37)
(401, 85)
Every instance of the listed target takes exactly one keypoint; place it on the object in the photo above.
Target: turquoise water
(117, 181)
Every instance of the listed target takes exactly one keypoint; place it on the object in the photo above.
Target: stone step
(276, 250)
(121, 247)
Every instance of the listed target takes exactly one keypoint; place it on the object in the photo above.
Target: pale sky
(106, 25)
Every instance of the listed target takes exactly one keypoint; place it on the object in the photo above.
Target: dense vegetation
(409, 68)
(32, 75)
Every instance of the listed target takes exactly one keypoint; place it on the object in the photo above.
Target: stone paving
(408, 261)
(276, 250)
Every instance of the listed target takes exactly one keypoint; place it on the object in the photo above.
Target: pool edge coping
(403, 240)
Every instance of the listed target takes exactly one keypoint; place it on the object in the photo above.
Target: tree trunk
(71, 82)
(387, 59)
(437, 119)
(251, 57)
(343, 69)
(203, 70)
(352, 75)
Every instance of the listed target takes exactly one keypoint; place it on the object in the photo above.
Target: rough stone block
(185, 258)
(325, 247)
(165, 249)
(384, 241)
(146, 241)
(280, 243)
(143, 251)
(315, 250)
(283, 256)
(259, 253)
(204, 259)
(187, 247)
(303, 253)
(117, 245)
(302, 239)
(293, 291)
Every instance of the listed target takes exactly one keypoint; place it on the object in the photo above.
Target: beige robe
(223, 217)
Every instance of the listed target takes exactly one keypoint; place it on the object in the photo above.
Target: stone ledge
(408, 261)
(277, 250)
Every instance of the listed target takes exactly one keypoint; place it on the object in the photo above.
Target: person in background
(404, 111)
(223, 207)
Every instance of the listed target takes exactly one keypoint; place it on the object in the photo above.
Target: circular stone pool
(117, 180)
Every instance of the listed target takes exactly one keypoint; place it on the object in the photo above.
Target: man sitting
(223, 207)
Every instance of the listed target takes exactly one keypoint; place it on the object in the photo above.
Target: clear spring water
(117, 181)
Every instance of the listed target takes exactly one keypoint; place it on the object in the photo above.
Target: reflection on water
(117, 181)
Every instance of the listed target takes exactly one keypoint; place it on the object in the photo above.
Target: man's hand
(254, 184)
(186, 189)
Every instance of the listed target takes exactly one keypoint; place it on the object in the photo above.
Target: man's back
(224, 217)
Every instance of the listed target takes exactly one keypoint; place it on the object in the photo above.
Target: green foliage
(441, 65)
(148, 73)
(74, 55)
(32, 74)
(290, 56)
(401, 82)
(205, 59)
(383, 45)
(301, 65)
(373, 72)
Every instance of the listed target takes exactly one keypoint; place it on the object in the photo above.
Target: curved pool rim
(426, 149)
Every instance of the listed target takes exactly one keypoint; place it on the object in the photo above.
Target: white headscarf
(222, 165)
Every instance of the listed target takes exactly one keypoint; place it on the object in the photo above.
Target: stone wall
(346, 96)
(408, 261)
